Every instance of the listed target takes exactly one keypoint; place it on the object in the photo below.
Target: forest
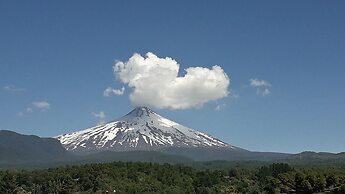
(139, 177)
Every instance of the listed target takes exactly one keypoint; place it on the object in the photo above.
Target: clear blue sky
(62, 52)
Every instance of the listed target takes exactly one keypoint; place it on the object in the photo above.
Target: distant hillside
(15, 147)
(316, 157)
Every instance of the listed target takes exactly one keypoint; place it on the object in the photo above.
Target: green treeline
(156, 178)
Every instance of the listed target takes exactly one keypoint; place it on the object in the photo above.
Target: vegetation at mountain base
(139, 177)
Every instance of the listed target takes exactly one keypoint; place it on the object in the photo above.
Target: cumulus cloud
(100, 116)
(262, 86)
(42, 105)
(13, 88)
(110, 91)
(155, 82)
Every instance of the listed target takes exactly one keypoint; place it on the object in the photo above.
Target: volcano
(140, 129)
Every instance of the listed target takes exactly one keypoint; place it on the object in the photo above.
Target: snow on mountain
(141, 129)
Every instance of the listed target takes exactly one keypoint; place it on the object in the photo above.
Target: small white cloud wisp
(13, 88)
(41, 105)
(262, 86)
(37, 105)
(100, 116)
(111, 91)
(156, 82)
(220, 107)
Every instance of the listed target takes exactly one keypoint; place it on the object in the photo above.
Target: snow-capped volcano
(141, 129)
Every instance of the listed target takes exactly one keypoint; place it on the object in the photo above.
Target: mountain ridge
(31, 151)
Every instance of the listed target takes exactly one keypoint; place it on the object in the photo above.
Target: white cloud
(155, 82)
(262, 86)
(22, 113)
(259, 83)
(38, 105)
(13, 88)
(110, 91)
(100, 116)
(42, 105)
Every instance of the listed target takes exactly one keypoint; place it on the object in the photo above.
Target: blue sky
(60, 56)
